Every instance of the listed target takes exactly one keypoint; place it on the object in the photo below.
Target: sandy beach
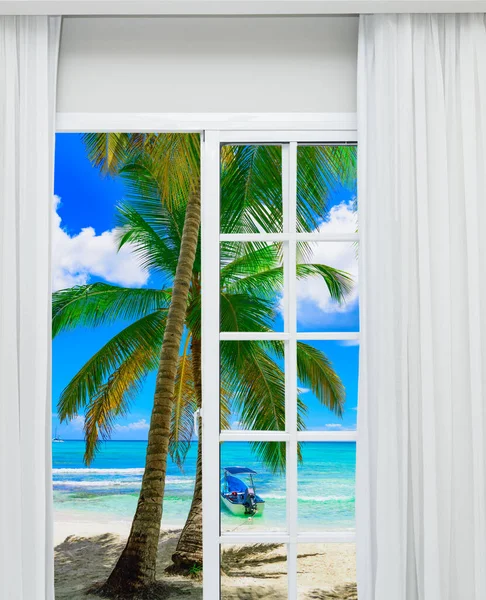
(85, 553)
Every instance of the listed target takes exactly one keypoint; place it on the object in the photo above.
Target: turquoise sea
(109, 488)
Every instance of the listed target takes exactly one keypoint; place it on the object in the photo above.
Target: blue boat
(239, 497)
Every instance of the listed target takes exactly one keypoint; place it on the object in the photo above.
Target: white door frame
(288, 129)
(211, 338)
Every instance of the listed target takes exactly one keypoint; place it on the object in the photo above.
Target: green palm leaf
(243, 259)
(97, 304)
(267, 284)
(240, 312)
(257, 394)
(114, 397)
(154, 253)
(107, 151)
(141, 339)
(315, 371)
(171, 163)
(319, 170)
(251, 189)
(338, 282)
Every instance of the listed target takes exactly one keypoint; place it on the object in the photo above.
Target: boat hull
(239, 509)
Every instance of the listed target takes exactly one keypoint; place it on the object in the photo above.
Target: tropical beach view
(126, 448)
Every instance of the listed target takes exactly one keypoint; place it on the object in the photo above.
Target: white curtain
(28, 65)
(421, 511)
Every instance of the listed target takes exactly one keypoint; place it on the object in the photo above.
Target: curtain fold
(28, 67)
(421, 496)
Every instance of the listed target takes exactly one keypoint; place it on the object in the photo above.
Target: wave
(110, 483)
(90, 471)
(311, 498)
(326, 498)
(100, 483)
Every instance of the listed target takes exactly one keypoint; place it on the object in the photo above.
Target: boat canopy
(235, 484)
(239, 470)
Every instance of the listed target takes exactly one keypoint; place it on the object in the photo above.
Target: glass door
(280, 336)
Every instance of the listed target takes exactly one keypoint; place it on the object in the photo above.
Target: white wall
(213, 64)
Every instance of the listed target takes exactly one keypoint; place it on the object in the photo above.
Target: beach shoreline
(108, 491)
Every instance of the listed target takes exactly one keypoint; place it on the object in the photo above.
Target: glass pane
(253, 487)
(327, 287)
(328, 384)
(326, 571)
(254, 571)
(251, 189)
(252, 385)
(251, 286)
(326, 486)
(326, 189)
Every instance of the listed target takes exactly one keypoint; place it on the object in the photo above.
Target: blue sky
(84, 251)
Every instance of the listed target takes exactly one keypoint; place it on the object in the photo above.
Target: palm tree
(251, 276)
(177, 174)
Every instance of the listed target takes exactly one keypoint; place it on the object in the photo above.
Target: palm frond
(224, 402)
(251, 189)
(241, 312)
(153, 252)
(145, 196)
(257, 389)
(265, 284)
(320, 170)
(316, 372)
(243, 259)
(109, 151)
(98, 304)
(144, 336)
(338, 282)
(172, 163)
(115, 396)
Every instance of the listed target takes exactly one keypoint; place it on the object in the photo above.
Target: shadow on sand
(251, 572)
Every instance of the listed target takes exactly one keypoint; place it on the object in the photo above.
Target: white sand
(87, 554)
(82, 525)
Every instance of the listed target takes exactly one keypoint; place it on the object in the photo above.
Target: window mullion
(291, 370)
(210, 362)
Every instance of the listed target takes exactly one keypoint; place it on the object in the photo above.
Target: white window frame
(218, 129)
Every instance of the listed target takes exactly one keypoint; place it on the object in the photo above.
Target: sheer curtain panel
(28, 65)
(421, 521)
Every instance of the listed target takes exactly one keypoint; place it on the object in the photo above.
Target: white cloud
(349, 343)
(77, 422)
(140, 425)
(340, 255)
(333, 426)
(76, 258)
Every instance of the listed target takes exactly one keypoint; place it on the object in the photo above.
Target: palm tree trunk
(189, 547)
(135, 568)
